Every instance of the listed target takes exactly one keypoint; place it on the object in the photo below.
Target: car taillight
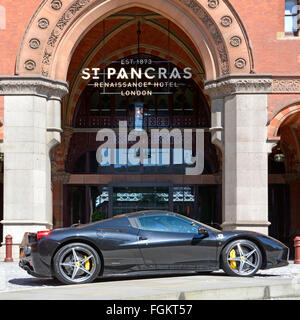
(43, 233)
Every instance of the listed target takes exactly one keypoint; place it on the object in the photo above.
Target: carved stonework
(229, 85)
(34, 43)
(56, 4)
(46, 58)
(56, 16)
(45, 73)
(30, 65)
(286, 85)
(240, 63)
(43, 23)
(67, 136)
(235, 41)
(60, 177)
(226, 21)
(39, 86)
(251, 84)
(53, 37)
(213, 3)
(213, 29)
(59, 27)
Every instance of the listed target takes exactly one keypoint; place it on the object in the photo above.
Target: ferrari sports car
(146, 241)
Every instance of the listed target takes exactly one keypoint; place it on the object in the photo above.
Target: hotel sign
(136, 77)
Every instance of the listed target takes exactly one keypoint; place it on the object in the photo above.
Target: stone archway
(279, 118)
(284, 131)
(57, 26)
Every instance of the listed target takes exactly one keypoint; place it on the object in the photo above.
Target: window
(80, 164)
(167, 223)
(188, 102)
(94, 103)
(291, 23)
(105, 101)
(138, 118)
(120, 106)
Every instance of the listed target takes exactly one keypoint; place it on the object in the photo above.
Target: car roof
(143, 212)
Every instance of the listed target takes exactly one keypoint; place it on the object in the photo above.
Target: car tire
(76, 263)
(241, 258)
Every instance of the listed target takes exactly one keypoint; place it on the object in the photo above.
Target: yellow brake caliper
(232, 254)
(87, 264)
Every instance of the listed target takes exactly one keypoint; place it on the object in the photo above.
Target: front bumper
(277, 258)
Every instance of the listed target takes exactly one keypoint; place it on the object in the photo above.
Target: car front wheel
(241, 258)
(76, 263)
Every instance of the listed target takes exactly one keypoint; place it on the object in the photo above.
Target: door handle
(143, 238)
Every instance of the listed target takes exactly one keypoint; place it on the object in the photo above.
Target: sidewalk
(284, 282)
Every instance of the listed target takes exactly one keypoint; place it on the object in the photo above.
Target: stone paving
(13, 278)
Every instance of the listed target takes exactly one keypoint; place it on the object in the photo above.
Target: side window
(167, 223)
(152, 223)
(291, 17)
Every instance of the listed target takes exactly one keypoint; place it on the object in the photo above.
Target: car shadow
(135, 276)
(35, 282)
(50, 282)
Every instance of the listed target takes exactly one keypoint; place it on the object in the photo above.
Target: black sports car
(146, 241)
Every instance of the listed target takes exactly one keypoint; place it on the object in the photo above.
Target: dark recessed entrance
(87, 203)
(174, 77)
(126, 199)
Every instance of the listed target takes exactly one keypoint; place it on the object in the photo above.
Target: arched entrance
(284, 174)
(148, 184)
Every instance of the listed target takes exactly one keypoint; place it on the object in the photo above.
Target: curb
(288, 289)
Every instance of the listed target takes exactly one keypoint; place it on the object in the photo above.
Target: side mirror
(203, 232)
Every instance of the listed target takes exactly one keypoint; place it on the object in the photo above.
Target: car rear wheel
(76, 263)
(241, 258)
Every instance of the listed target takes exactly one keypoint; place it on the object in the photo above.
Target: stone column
(243, 116)
(217, 130)
(32, 126)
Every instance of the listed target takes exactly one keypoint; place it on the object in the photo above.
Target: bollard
(297, 250)
(8, 243)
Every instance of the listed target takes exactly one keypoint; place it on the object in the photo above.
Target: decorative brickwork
(212, 15)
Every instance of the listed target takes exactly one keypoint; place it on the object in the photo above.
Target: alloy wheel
(243, 258)
(78, 263)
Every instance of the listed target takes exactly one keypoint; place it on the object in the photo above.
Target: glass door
(89, 203)
(137, 198)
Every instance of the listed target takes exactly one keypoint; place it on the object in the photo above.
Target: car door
(118, 242)
(169, 241)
